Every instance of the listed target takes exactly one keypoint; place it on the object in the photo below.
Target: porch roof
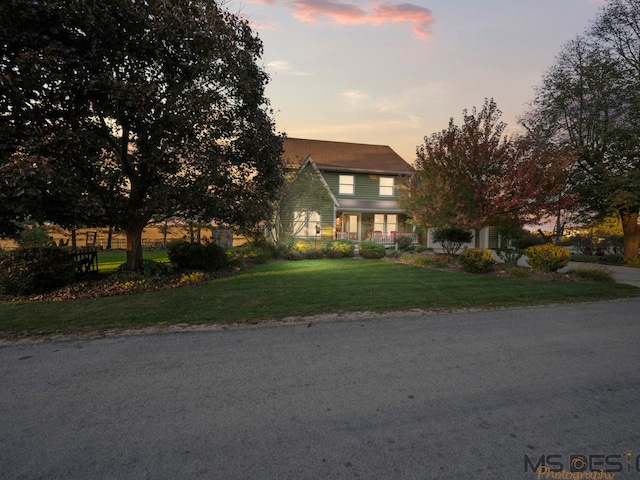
(369, 206)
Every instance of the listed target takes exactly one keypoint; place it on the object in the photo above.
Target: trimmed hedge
(477, 260)
(372, 250)
(27, 271)
(547, 257)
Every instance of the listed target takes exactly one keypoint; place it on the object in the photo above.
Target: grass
(110, 260)
(592, 275)
(278, 290)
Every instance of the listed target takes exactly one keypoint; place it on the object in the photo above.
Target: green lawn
(109, 260)
(278, 290)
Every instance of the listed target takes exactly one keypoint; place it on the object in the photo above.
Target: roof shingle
(344, 156)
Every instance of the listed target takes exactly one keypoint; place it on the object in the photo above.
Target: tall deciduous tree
(590, 100)
(473, 176)
(139, 110)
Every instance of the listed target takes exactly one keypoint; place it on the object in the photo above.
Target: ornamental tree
(474, 176)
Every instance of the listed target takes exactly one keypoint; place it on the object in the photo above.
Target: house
(341, 190)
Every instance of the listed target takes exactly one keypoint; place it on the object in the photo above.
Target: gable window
(346, 185)
(386, 186)
(307, 224)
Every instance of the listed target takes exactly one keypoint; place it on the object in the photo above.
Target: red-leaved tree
(474, 176)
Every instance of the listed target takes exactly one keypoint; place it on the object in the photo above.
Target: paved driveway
(627, 275)
(466, 395)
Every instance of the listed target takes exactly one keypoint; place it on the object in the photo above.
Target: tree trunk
(631, 231)
(134, 247)
(109, 237)
(476, 234)
(559, 230)
(164, 235)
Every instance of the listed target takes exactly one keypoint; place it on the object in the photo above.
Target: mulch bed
(499, 270)
(111, 286)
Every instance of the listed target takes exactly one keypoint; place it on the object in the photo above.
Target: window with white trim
(346, 185)
(392, 223)
(307, 224)
(385, 223)
(386, 186)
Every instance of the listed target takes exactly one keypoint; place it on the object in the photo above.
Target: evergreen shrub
(186, 255)
(372, 250)
(424, 261)
(404, 243)
(477, 260)
(547, 257)
(339, 249)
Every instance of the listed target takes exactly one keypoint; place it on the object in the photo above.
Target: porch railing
(346, 236)
(381, 237)
(392, 237)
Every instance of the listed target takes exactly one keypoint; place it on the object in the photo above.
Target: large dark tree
(590, 100)
(127, 111)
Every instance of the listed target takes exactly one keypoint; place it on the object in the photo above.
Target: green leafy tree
(127, 112)
(590, 99)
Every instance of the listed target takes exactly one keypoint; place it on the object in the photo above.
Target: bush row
(35, 270)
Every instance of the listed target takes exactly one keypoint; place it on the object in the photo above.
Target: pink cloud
(348, 13)
(310, 10)
(420, 17)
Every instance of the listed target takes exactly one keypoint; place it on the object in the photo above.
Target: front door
(353, 227)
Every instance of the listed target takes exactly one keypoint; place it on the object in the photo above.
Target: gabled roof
(310, 161)
(342, 156)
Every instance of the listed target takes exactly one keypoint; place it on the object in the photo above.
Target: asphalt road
(464, 395)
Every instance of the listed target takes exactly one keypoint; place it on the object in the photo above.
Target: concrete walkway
(627, 275)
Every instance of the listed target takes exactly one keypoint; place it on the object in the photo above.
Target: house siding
(348, 215)
(323, 205)
(367, 186)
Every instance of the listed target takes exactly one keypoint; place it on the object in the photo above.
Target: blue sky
(390, 72)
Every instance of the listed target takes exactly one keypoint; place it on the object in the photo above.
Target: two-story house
(346, 191)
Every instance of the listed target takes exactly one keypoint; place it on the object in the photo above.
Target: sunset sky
(388, 72)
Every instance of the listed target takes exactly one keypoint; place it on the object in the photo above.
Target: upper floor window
(386, 186)
(346, 185)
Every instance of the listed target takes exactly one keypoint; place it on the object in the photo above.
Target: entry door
(353, 227)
